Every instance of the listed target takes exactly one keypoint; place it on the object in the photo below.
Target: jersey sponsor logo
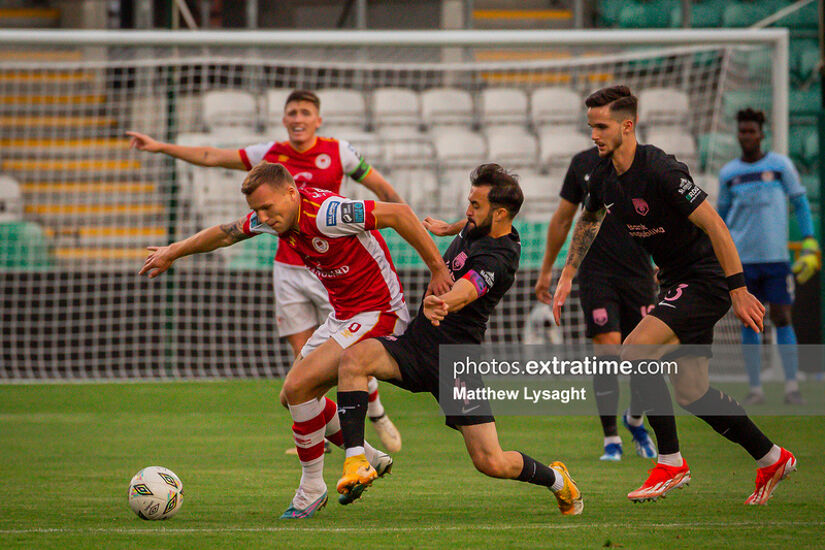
(641, 231)
(688, 189)
(600, 316)
(458, 261)
(489, 277)
(323, 161)
(302, 177)
(641, 207)
(331, 273)
(332, 213)
(607, 207)
(320, 245)
(352, 212)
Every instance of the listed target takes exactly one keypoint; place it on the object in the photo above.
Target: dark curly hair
(505, 192)
(751, 115)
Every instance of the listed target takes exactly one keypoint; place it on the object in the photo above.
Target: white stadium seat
(674, 142)
(709, 183)
(343, 108)
(419, 187)
(512, 147)
(558, 147)
(274, 111)
(11, 200)
(541, 195)
(556, 106)
(404, 147)
(396, 107)
(503, 107)
(459, 148)
(229, 109)
(663, 107)
(447, 107)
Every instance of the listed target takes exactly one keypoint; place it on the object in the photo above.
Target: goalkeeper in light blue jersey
(752, 192)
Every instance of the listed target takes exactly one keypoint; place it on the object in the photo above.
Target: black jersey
(613, 254)
(491, 265)
(654, 198)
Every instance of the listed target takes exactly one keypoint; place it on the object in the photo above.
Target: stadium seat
(541, 194)
(806, 65)
(503, 107)
(343, 108)
(11, 200)
(703, 15)
(663, 107)
(555, 106)
(446, 107)
(811, 184)
(675, 142)
(735, 100)
(709, 183)
(23, 246)
(609, 12)
(367, 144)
(512, 147)
(745, 14)
(458, 147)
(416, 186)
(395, 107)
(804, 18)
(645, 15)
(229, 109)
(812, 156)
(798, 144)
(557, 148)
(405, 147)
(275, 103)
(216, 196)
(276, 132)
(716, 149)
(809, 99)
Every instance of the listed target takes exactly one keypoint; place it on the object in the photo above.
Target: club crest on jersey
(767, 176)
(458, 261)
(600, 316)
(641, 207)
(320, 245)
(323, 161)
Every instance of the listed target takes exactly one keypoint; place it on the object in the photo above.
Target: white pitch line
(293, 528)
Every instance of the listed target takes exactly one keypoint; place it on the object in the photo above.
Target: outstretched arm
(401, 217)
(556, 234)
(200, 156)
(749, 310)
(587, 227)
(161, 258)
(440, 228)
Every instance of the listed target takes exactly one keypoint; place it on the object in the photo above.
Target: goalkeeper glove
(808, 262)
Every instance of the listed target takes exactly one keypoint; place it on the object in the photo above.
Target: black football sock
(727, 417)
(606, 390)
(650, 396)
(536, 473)
(352, 412)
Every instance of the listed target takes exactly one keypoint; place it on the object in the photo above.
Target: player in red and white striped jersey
(337, 239)
(301, 301)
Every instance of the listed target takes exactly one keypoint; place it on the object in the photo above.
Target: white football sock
(771, 458)
(612, 439)
(674, 459)
(374, 406)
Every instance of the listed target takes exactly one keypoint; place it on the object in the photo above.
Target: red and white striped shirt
(337, 241)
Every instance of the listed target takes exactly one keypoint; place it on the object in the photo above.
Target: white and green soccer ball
(155, 493)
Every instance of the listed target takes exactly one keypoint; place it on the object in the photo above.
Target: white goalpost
(424, 107)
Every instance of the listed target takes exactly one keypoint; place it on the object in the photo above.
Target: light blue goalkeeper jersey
(752, 203)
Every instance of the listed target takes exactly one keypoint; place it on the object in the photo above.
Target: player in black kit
(701, 278)
(483, 260)
(615, 289)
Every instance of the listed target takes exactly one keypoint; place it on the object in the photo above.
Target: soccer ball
(155, 493)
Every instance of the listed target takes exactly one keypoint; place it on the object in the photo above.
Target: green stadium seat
(649, 15)
(807, 64)
(797, 143)
(23, 246)
(759, 63)
(804, 18)
(702, 15)
(734, 100)
(745, 14)
(254, 254)
(609, 12)
(722, 146)
(812, 157)
(811, 184)
(809, 99)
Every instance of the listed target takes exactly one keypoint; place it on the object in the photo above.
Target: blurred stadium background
(78, 208)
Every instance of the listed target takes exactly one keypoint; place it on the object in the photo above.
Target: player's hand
(440, 228)
(808, 262)
(749, 310)
(142, 142)
(435, 309)
(159, 260)
(441, 281)
(563, 288)
(543, 288)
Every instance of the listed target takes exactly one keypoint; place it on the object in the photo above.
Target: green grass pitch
(67, 453)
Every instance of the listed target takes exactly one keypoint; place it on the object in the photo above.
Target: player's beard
(614, 146)
(482, 230)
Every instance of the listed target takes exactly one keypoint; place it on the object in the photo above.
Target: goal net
(80, 206)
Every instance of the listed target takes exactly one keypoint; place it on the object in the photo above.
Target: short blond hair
(268, 173)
